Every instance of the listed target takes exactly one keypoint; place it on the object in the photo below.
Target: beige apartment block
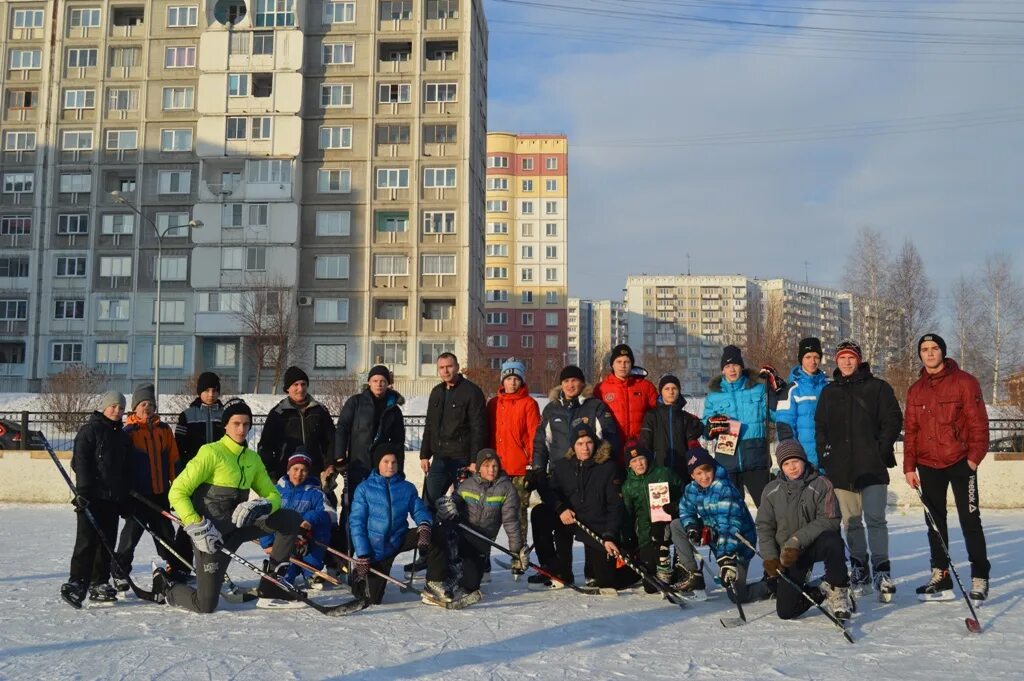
(595, 327)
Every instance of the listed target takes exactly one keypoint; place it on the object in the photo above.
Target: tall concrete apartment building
(526, 271)
(595, 327)
(805, 310)
(334, 153)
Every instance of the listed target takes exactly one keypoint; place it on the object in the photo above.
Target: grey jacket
(795, 512)
(489, 506)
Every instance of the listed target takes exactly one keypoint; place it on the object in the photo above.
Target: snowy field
(511, 634)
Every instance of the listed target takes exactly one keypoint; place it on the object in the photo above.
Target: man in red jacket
(628, 397)
(946, 438)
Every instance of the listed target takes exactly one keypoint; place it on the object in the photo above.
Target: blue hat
(697, 457)
(513, 367)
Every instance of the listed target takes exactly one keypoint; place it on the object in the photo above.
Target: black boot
(267, 589)
(73, 592)
(102, 593)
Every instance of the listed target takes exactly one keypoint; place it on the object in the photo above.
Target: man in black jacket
(201, 422)
(367, 418)
(297, 420)
(856, 425)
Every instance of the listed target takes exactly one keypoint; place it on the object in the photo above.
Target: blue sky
(756, 147)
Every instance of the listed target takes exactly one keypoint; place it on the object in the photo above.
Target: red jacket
(513, 419)
(628, 400)
(946, 420)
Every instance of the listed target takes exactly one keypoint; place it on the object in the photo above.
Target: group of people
(623, 468)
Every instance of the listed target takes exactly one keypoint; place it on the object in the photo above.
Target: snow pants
(934, 482)
(827, 548)
(869, 504)
(554, 542)
(90, 562)
(374, 586)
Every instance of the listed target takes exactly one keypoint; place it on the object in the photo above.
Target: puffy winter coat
(591, 489)
(628, 400)
(794, 414)
(802, 508)
(946, 420)
(856, 424)
(512, 420)
(307, 500)
(744, 400)
(289, 426)
(197, 426)
(489, 506)
(154, 455)
(456, 423)
(102, 459)
(380, 515)
(669, 431)
(721, 507)
(552, 438)
(636, 499)
(364, 422)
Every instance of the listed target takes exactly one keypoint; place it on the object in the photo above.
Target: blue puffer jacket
(722, 508)
(794, 414)
(380, 515)
(309, 501)
(746, 401)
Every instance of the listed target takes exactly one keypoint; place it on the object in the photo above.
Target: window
(497, 228)
(231, 258)
(79, 99)
(15, 225)
(231, 215)
(68, 309)
(172, 356)
(550, 319)
(336, 95)
(66, 352)
(393, 134)
(388, 353)
(77, 223)
(262, 43)
(497, 318)
(21, 99)
(551, 342)
(498, 341)
(113, 309)
(70, 266)
(269, 171)
(526, 207)
(13, 310)
(275, 13)
(390, 309)
(238, 85)
(176, 140)
(394, 93)
(526, 297)
(339, 53)
(172, 312)
(497, 184)
(442, 9)
(119, 224)
(174, 268)
(122, 140)
(496, 273)
(331, 267)
(174, 181)
(438, 264)
(526, 274)
(527, 319)
(497, 250)
(220, 302)
(259, 214)
(225, 355)
(27, 18)
(259, 127)
(336, 137)
(236, 128)
(497, 161)
(329, 356)
(440, 134)
(526, 252)
(333, 223)
(180, 57)
(551, 252)
(390, 265)
(334, 180)
(396, 9)
(527, 163)
(172, 224)
(497, 296)
(438, 177)
(178, 98)
(18, 183)
(526, 341)
(392, 222)
(551, 298)
(114, 266)
(25, 60)
(84, 18)
(441, 92)
(551, 185)
(526, 229)
(339, 12)
(551, 207)
(125, 57)
(111, 353)
(551, 229)
(551, 163)
(392, 178)
(182, 17)
(14, 266)
(438, 223)
(330, 311)
(255, 259)
(73, 183)
(19, 141)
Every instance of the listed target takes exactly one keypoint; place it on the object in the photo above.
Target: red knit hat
(848, 347)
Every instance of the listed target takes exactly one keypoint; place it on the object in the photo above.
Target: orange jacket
(155, 454)
(628, 400)
(513, 419)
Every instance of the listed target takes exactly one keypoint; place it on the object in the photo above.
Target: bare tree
(268, 316)
(965, 312)
(770, 339)
(866, 275)
(1001, 322)
(332, 392)
(71, 394)
(912, 299)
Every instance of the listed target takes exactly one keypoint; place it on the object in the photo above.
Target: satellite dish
(229, 12)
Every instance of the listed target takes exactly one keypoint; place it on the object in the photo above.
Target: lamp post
(191, 224)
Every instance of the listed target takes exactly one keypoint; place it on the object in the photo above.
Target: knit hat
(485, 455)
(635, 449)
(109, 399)
(144, 393)
(513, 367)
(697, 457)
(381, 449)
(235, 407)
(293, 374)
(848, 347)
(572, 371)
(207, 380)
(622, 350)
(666, 379)
(300, 456)
(732, 355)
(790, 449)
(809, 345)
(935, 338)
(379, 370)
(581, 428)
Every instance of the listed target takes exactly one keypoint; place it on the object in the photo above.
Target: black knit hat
(635, 449)
(234, 407)
(809, 345)
(572, 371)
(582, 428)
(207, 380)
(669, 378)
(379, 450)
(732, 355)
(622, 350)
(697, 457)
(486, 454)
(379, 370)
(935, 338)
(293, 374)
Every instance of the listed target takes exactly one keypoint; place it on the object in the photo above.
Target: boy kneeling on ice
(798, 526)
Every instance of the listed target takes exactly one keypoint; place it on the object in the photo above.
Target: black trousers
(555, 552)
(754, 481)
(375, 585)
(828, 548)
(136, 513)
(934, 483)
(90, 562)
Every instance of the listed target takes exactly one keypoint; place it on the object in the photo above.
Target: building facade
(802, 310)
(595, 327)
(333, 153)
(526, 270)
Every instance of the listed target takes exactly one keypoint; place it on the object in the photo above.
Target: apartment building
(526, 260)
(315, 171)
(595, 327)
(802, 310)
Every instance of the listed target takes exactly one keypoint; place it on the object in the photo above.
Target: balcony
(395, 58)
(441, 56)
(128, 22)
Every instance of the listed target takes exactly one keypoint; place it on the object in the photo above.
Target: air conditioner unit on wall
(305, 301)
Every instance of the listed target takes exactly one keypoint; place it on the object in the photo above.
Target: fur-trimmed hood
(751, 378)
(556, 393)
(603, 453)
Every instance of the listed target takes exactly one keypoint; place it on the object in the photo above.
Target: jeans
(442, 474)
(870, 503)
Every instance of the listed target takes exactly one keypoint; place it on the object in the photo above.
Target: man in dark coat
(368, 418)
(201, 423)
(669, 431)
(856, 425)
(298, 419)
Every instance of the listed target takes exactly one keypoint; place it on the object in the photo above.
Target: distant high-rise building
(595, 327)
(802, 310)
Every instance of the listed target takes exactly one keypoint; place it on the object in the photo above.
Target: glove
(301, 546)
(771, 376)
(531, 480)
(727, 571)
(717, 425)
(248, 512)
(80, 503)
(361, 569)
(520, 560)
(423, 539)
(462, 475)
(445, 509)
(790, 554)
(205, 536)
(772, 567)
(693, 534)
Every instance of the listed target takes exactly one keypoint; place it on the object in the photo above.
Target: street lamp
(191, 224)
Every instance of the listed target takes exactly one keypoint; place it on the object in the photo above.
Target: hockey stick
(727, 622)
(401, 585)
(115, 566)
(972, 622)
(786, 578)
(667, 592)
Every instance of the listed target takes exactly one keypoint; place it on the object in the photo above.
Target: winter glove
(80, 503)
(717, 425)
(531, 480)
(772, 567)
(521, 560)
(462, 475)
(361, 569)
(248, 512)
(708, 536)
(771, 377)
(205, 536)
(790, 554)
(445, 509)
(423, 539)
(727, 571)
(693, 534)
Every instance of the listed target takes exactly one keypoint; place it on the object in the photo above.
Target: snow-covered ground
(512, 634)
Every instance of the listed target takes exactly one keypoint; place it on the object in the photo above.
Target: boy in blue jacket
(794, 413)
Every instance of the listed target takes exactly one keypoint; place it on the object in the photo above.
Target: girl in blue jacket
(794, 414)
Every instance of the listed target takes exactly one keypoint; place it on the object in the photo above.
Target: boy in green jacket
(646, 519)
